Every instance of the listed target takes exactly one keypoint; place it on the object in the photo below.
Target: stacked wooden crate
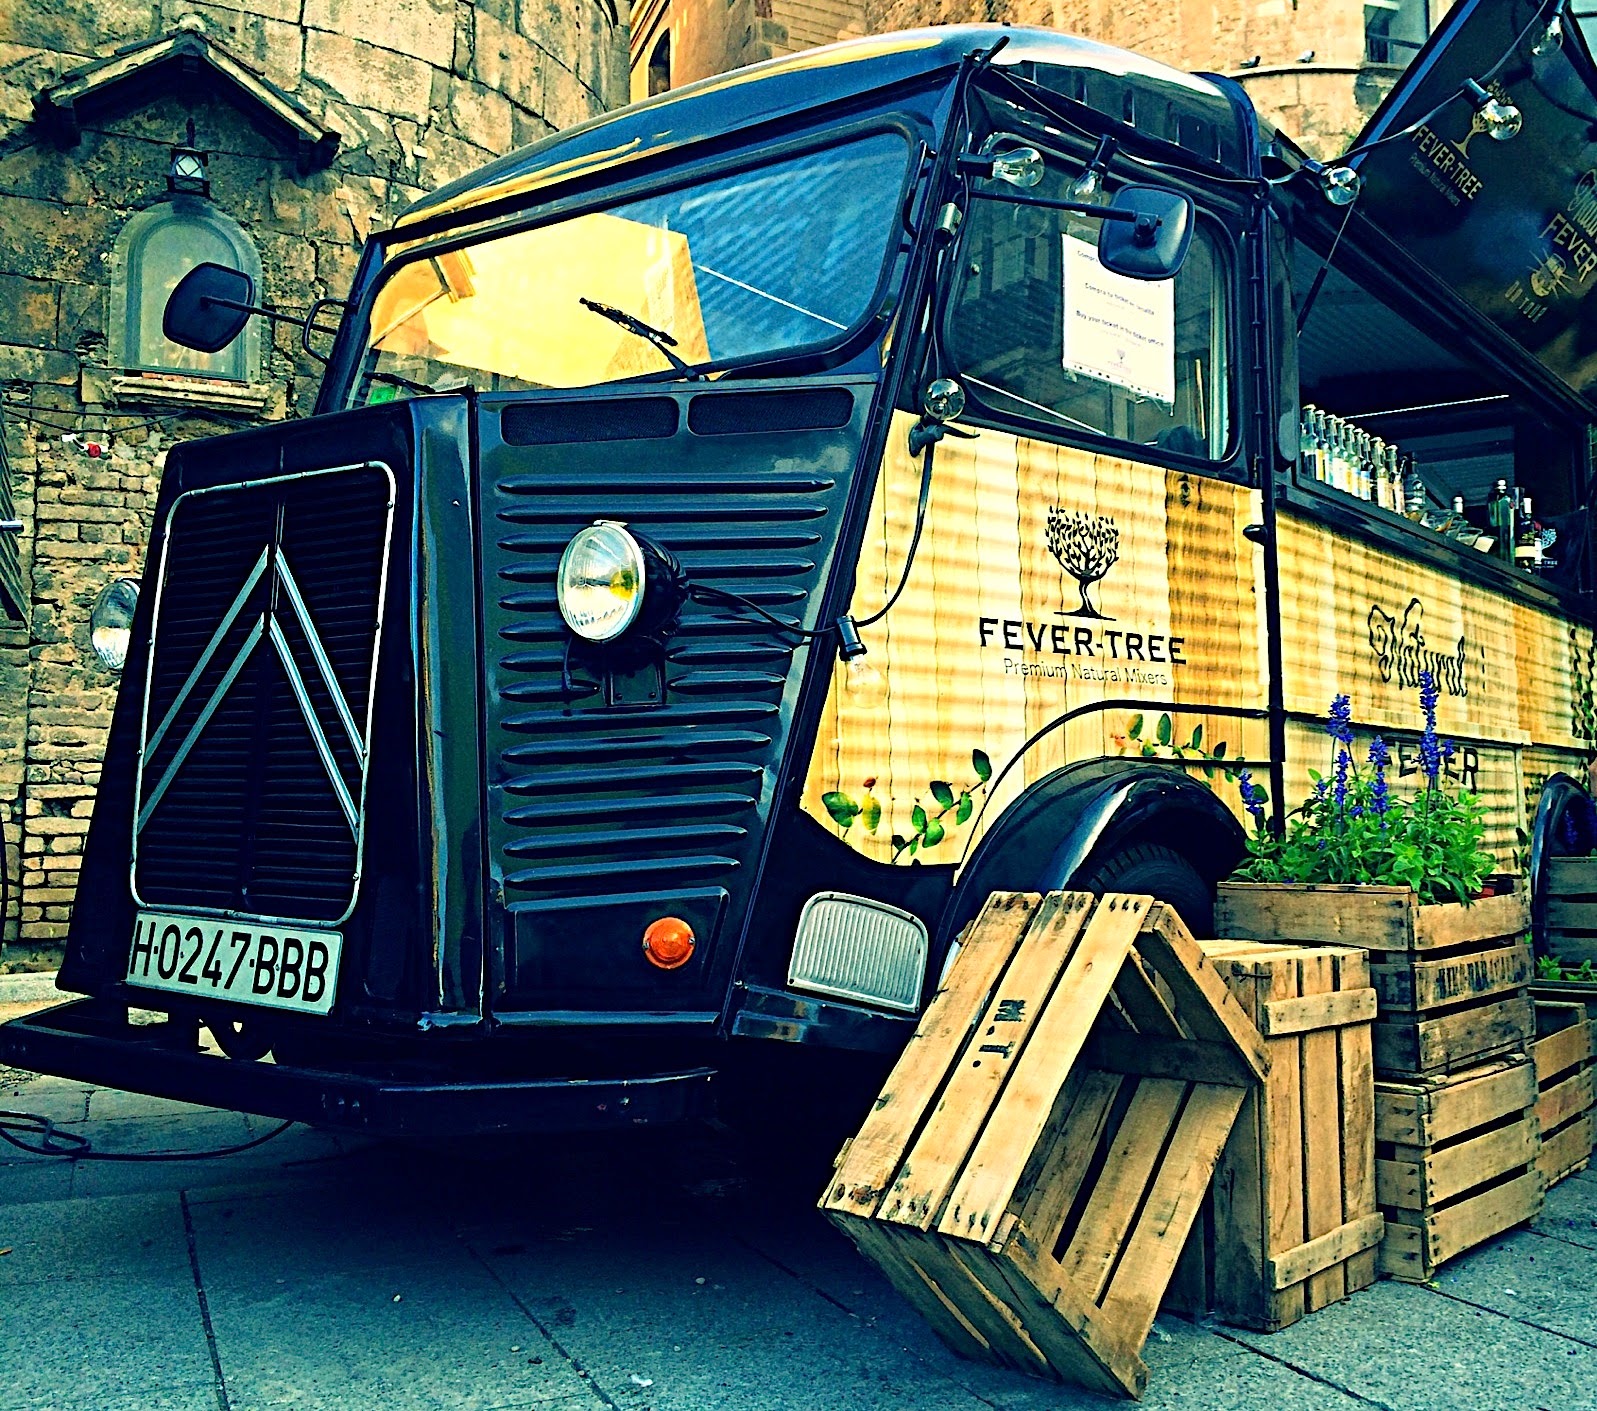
(1455, 1162)
(1455, 1095)
(1563, 1056)
(1029, 1174)
(1293, 1223)
(1572, 912)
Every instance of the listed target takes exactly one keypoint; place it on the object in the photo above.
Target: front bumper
(80, 1041)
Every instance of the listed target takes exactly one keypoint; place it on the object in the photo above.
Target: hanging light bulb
(1552, 38)
(864, 683)
(1340, 185)
(1022, 167)
(1497, 117)
(1088, 188)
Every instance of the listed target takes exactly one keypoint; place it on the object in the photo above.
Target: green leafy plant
(1350, 830)
(1550, 968)
(1163, 743)
(929, 825)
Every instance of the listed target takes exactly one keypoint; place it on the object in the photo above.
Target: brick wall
(420, 91)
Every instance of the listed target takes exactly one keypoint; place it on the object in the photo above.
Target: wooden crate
(1572, 909)
(1455, 1162)
(1452, 979)
(1562, 1053)
(1294, 1218)
(1029, 1173)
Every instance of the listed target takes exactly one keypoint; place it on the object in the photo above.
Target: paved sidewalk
(319, 1271)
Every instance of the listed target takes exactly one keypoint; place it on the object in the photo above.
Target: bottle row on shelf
(1347, 458)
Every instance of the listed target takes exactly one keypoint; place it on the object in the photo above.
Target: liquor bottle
(1391, 478)
(1500, 516)
(1528, 541)
(1364, 462)
(1310, 455)
(1414, 494)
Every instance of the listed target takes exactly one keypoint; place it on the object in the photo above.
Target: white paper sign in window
(1117, 329)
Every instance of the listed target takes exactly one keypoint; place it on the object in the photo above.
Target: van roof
(1207, 115)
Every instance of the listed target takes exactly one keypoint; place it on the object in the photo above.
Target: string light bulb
(863, 682)
(1552, 39)
(1088, 187)
(1497, 117)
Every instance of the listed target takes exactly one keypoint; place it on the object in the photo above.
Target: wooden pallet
(1563, 1055)
(1572, 909)
(1452, 979)
(1029, 1173)
(1455, 1162)
(1294, 1219)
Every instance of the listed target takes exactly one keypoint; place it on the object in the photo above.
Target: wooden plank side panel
(1202, 1000)
(1428, 1111)
(1451, 1042)
(1112, 1208)
(1563, 1041)
(1322, 1134)
(994, 1049)
(1172, 1205)
(1239, 1189)
(986, 1184)
(1054, 1180)
(1356, 1085)
(1416, 985)
(877, 1150)
(1418, 1242)
(1375, 918)
(1416, 1178)
(1567, 1151)
(1285, 1203)
(1563, 1100)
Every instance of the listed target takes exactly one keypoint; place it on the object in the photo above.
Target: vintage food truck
(738, 534)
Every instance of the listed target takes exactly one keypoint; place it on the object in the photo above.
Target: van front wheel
(1158, 871)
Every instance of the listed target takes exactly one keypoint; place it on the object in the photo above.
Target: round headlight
(601, 582)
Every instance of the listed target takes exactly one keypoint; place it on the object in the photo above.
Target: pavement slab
(651, 1272)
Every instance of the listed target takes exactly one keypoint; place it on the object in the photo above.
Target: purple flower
(1339, 723)
(1251, 799)
(1339, 788)
(1430, 750)
(1380, 796)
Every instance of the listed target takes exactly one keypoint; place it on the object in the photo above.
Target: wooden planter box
(1451, 979)
(1294, 1218)
(1455, 1162)
(1562, 1053)
(1028, 1175)
(1572, 909)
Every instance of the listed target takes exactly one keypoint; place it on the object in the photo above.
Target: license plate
(282, 967)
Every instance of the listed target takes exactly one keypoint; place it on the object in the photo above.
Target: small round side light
(668, 943)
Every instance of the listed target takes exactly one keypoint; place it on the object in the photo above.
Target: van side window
(1434, 442)
(1039, 331)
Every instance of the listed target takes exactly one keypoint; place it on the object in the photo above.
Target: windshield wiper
(647, 331)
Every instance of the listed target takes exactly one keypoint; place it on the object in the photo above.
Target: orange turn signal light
(668, 942)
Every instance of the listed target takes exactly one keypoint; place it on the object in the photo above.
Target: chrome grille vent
(255, 728)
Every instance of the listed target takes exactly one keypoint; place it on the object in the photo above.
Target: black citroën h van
(602, 687)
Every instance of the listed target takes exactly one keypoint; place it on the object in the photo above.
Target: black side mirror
(1151, 237)
(209, 308)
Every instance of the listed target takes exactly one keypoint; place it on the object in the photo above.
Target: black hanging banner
(1511, 226)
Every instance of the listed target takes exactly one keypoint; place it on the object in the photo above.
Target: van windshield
(784, 256)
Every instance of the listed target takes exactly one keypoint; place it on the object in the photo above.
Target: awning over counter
(1510, 226)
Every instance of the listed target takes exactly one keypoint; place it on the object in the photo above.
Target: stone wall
(419, 91)
(1320, 101)
(712, 38)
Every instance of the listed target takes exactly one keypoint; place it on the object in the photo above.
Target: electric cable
(16, 1126)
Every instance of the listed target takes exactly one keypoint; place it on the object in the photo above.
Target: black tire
(1159, 871)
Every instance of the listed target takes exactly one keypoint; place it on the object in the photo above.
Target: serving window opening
(1433, 445)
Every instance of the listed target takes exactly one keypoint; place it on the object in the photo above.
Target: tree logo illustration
(1087, 546)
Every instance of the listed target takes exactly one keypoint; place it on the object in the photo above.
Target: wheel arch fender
(1077, 815)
